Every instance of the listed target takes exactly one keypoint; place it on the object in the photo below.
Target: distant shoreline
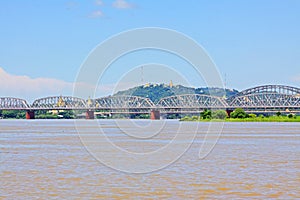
(270, 119)
(179, 120)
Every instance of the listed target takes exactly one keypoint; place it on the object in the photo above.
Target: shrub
(278, 114)
(251, 115)
(219, 114)
(239, 113)
(186, 118)
(195, 118)
(206, 114)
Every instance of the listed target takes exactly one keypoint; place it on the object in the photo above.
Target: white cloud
(30, 89)
(122, 4)
(96, 14)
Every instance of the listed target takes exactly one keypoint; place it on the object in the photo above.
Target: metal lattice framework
(193, 101)
(268, 97)
(265, 100)
(279, 89)
(58, 102)
(13, 103)
(123, 102)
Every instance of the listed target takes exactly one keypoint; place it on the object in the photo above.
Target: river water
(45, 159)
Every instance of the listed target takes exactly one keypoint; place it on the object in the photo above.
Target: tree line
(237, 114)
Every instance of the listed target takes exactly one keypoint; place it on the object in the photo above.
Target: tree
(219, 114)
(206, 114)
(67, 114)
(278, 114)
(12, 114)
(239, 113)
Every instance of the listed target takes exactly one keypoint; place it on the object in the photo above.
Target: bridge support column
(155, 115)
(229, 111)
(30, 114)
(89, 114)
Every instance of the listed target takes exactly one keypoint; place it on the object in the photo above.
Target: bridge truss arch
(190, 103)
(268, 98)
(11, 103)
(59, 102)
(278, 89)
(123, 102)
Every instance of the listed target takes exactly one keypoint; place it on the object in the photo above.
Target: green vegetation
(61, 114)
(46, 116)
(206, 114)
(155, 92)
(12, 114)
(239, 115)
(124, 116)
(65, 114)
(267, 119)
(42, 114)
(278, 114)
(193, 118)
(219, 114)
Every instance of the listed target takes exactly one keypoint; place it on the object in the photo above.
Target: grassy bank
(256, 119)
(239, 115)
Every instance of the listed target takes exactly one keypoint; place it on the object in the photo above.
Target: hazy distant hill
(157, 91)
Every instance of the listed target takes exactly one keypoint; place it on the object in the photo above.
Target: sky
(44, 44)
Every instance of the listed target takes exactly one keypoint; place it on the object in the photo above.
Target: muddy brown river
(46, 159)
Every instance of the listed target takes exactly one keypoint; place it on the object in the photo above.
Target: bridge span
(261, 99)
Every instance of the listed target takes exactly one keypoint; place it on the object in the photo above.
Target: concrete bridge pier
(155, 115)
(30, 114)
(89, 114)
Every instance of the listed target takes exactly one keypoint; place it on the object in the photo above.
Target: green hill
(155, 92)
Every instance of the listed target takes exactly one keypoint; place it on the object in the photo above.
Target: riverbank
(257, 119)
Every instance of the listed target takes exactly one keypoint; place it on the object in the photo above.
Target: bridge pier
(89, 114)
(155, 115)
(229, 111)
(30, 114)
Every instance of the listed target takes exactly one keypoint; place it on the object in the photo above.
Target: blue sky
(253, 42)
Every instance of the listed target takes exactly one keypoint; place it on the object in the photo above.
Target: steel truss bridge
(262, 99)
